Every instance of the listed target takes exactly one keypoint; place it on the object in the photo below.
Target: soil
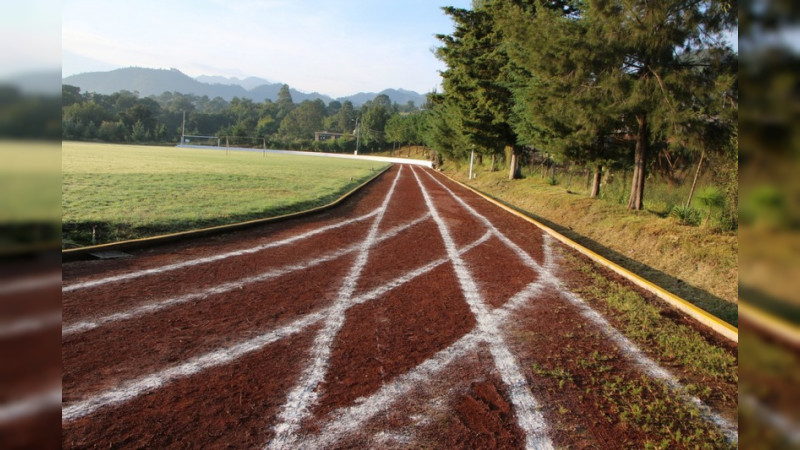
(408, 367)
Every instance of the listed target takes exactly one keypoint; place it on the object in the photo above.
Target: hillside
(149, 82)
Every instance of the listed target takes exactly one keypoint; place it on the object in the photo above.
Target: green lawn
(127, 191)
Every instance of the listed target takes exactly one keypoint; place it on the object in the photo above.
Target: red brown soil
(465, 405)
(419, 324)
(29, 361)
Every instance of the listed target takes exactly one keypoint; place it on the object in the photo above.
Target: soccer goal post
(212, 141)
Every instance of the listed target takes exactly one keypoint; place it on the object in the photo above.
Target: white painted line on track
(28, 284)
(350, 419)
(522, 254)
(150, 308)
(30, 405)
(648, 365)
(780, 422)
(526, 407)
(208, 259)
(304, 395)
(626, 346)
(30, 324)
(131, 389)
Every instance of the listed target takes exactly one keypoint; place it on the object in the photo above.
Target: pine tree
(284, 102)
(558, 104)
(476, 81)
(647, 73)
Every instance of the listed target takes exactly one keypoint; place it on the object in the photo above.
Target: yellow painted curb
(781, 328)
(715, 323)
(74, 253)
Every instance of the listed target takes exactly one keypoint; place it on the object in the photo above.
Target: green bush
(712, 200)
(686, 215)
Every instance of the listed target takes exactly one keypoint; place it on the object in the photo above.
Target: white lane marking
(767, 416)
(30, 405)
(347, 420)
(626, 346)
(522, 254)
(131, 389)
(647, 365)
(27, 284)
(526, 407)
(150, 308)
(30, 324)
(350, 419)
(300, 399)
(208, 259)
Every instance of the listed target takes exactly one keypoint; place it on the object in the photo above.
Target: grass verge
(645, 324)
(119, 192)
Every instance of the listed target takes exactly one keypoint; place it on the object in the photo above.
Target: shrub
(711, 198)
(686, 215)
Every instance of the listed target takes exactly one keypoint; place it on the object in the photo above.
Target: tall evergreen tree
(476, 81)
(557, 101)
(284, 102)
(647, 74)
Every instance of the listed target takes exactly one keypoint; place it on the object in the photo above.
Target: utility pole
(471, 159)
(183, 128)
(358, 135)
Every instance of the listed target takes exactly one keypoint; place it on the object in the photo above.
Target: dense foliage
(125, 117)
(620, 83)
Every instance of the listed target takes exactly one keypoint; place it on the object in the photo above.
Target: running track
(394, 320)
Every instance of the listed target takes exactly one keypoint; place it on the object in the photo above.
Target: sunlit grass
(124, 192)
(29, 177)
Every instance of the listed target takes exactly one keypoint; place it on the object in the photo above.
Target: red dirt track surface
(410, 316)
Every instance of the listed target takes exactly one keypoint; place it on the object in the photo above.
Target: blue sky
(336, 47)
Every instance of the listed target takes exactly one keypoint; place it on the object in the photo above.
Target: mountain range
(149, 82)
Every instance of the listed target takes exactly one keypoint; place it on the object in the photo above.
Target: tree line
(606, 84)
(634, 85)
(125, 117)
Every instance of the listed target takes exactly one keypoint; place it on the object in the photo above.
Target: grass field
(126, 191)
(29, 176)
(30, 202)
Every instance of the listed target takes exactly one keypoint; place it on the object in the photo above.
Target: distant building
(325, 135)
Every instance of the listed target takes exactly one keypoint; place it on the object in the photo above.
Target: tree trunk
(544, 165)
(513, 169)
(480, 159)
(598, 173)
(494, 160)
(696, 175)
(639, 165)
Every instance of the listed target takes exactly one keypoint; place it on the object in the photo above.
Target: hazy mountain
(247, 83)
(149, 82)
(399, 96)
(36, 83)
